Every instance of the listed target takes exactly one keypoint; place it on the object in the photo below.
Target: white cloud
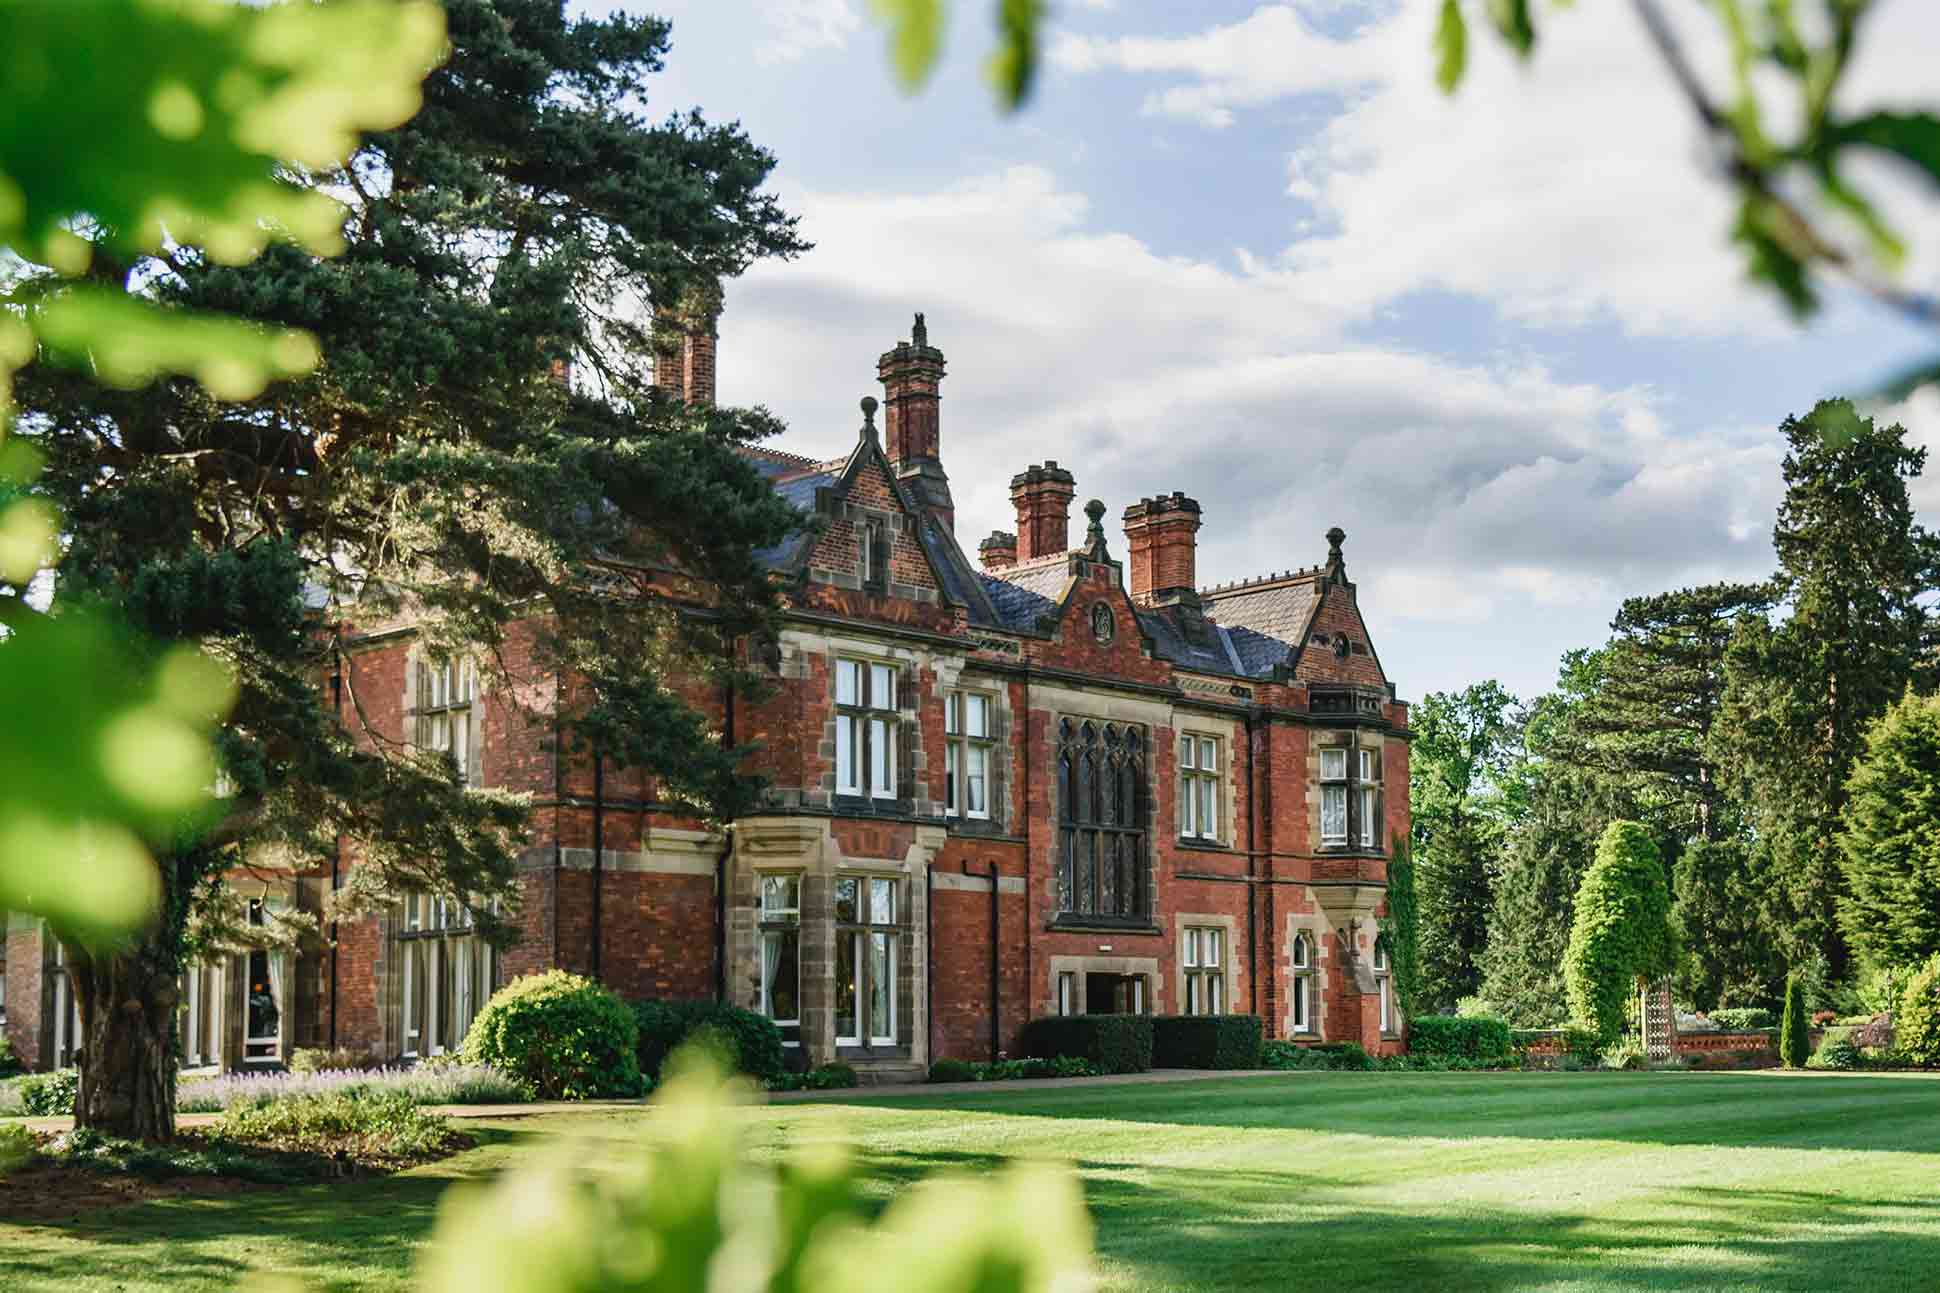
(1470, 491)
(1571, 188)
(797, 28)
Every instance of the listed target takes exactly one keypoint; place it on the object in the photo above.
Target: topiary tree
(562, 1034)
(1917, 1025)
(1794, 1041)
(1622, 935)
(1889, 843)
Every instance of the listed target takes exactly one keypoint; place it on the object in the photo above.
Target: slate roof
(1017, 607)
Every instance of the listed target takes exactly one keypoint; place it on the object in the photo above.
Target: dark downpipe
(599, 849)
(1252, 890)
(337, 856)
(929, 956)
(558, 797)
(996, 1006)
(720, 863)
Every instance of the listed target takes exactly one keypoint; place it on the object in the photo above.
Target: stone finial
(919, 335)
(869, 407)
(1095, 533)
(1335, 537)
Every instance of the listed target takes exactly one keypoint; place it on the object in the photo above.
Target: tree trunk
(126, 997)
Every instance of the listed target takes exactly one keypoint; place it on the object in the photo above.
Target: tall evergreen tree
(434, 467)
(1461, 747)
(1890, 844)
(1853, 564)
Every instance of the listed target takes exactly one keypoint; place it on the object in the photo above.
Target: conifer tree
(1794, 1042)
(1890, 843)
(1853, 565)
(529, 220)
(1621, 935)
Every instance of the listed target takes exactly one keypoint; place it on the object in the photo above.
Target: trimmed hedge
(1207, 1041)
(1114, 1043)
(1743, 1019)
(752, 1041)
(1475, 1037)
(562, 1035)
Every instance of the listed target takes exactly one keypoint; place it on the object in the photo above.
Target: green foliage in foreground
(17, 1147)
(1622, 932)
(561, 1035)
(691, 1212)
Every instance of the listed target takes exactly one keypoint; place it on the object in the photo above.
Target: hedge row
(1207, 1041)
(750, 1042)
(1478, 1037)
(1114, 1043)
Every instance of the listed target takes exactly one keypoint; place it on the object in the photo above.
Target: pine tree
(1729, 953)
(1890, 843)
(1460, 750)
(1853, 564)
(434, 467)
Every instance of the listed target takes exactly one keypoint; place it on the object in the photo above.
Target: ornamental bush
(51, 1094)
(1621, 934)
(1743, 1019)
(17, 1148)
(1207, 1041)
(1794, 1038)
(1916, 1026)
(562, 1035)
(750, 1043)
(1114, 1043)
(1471, 1037)
(1836, 1051)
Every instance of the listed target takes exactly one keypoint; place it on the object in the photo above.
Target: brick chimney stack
(913, 439)
(999, 551)
(1164, 552)
(1042, 496)
(684, 335)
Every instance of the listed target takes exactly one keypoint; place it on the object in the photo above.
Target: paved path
(887, 1092)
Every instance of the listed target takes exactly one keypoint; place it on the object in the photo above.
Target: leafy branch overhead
(1782, 70)
(916, 43)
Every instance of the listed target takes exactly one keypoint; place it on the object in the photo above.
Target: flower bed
(423, 1085)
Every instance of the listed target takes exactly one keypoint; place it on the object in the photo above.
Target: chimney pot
(911, 376)
(1160, 536)
(1042, 496)
(999, 551)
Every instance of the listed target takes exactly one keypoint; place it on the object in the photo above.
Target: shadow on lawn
(1880, 1114)
(1248, 1229)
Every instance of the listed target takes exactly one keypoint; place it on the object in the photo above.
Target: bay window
(448, 974)
(865, 729)
(868, 952)
(448, 713)
(781, 954)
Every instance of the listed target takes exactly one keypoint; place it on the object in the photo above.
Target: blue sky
(1247, 251)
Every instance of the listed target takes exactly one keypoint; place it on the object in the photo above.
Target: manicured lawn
(1422, 1181)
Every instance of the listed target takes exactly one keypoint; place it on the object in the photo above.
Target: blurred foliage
(1777, 132)
(691, 1211)
(916, 43)
(147, 126)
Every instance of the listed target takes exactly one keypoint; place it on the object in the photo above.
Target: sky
(1250, 252)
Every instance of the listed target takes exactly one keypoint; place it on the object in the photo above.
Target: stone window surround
(1233, 967)
(1318, 974)
(418, 653)
(1103, 963)
(954, 675)
(1352, 740)
(1099, 716)
(1229, 736)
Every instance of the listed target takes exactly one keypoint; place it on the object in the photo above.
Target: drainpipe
(1252, 889)
(337, 856)
(996, 1008)
(720, 863)
(929, 955)
(599, 848)
(558, 797)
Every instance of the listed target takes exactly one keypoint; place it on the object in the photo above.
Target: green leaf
(1772, 261)
(1911, 136)
(1513, 19)
(915, 38)
(1013, 67)
(1451, 44)
(128, 342)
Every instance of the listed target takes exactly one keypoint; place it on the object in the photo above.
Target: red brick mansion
(1060, 777)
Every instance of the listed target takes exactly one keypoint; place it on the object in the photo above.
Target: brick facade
(922, 838)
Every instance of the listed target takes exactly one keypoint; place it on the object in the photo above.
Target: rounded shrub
(1917, 1025)
(953, 1071)
(1621, 933)
(749, 1043)
(562, 1035)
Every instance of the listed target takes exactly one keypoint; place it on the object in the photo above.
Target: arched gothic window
(1101, 866)
(1303, 983)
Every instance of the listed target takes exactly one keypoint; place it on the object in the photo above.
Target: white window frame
(776, 922)
(966, 744)
(1200, 808)
(448, 974)
(1367, 768)
(1333, 795)
(449, 712)
(867, 725)
(276, 973)
(67, 1015)
(1303, 983)
(1203, 960)
(874, 940)
(1384, 979)
(1067, 992)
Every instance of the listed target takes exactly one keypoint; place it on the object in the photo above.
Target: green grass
(1414, 1181)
